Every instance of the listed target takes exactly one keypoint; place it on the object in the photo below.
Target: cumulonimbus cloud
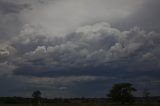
(89, 46)
(33, 55)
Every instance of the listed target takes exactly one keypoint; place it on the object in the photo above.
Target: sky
(78, 48)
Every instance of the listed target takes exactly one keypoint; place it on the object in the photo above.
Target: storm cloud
(90, 50)
(7, 7)
(65, 46)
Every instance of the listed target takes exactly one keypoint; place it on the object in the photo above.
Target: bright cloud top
(61, 17)
(89, 46)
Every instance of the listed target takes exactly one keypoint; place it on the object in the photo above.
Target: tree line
(121, 93)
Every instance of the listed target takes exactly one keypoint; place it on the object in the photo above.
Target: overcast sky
(78, 48)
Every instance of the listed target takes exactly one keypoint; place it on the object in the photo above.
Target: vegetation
(36, 98)
(81, 104)
(146, 95)
(154, 101)
(122, 93)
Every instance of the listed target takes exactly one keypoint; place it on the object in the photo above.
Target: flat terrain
(80, 104)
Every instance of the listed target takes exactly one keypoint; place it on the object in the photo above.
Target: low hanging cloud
(6, 53)
(7, 7)
(86, 51)
(90, 54)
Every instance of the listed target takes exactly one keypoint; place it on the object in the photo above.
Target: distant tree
(122, 93)
(146, 95)
(36, 98)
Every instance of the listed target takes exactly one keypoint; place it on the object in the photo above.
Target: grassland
(81, 104)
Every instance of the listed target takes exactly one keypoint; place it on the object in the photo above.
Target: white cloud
(38, 53)
(4, 53)
(6, 50)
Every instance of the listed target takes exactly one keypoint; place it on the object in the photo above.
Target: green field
(80, 104)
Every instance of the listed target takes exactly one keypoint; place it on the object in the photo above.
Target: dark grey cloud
(11, 20)
(96, 50)
(92, 56)
(7, 7)
(12, 86)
